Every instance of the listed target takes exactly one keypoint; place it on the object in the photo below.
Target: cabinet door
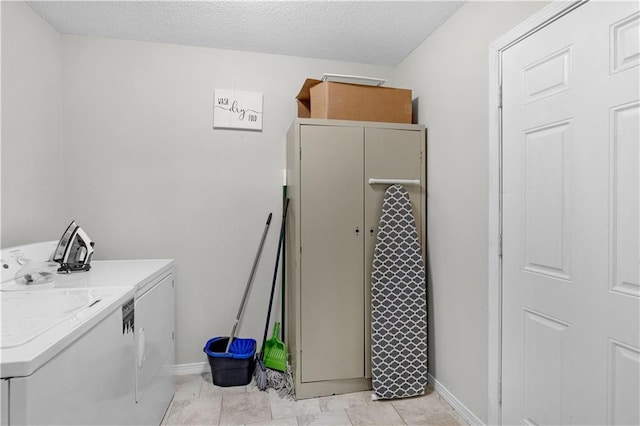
(389, 154)
(154, 323)
(331, 228)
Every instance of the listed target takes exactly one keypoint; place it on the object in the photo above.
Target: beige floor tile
(459, 419)
(283, 407)
(374, 414)
(209, 389)
(187, 387)
(326, 418)
(195, 412)
(207, 378)
(427, 410)
(289, 421)
(186, 378)
(242, 408)
(199, 402)
(251, 387)
(430, 402)
(348, 400)
(436, 419)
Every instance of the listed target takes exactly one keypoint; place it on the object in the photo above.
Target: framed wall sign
(233, 109)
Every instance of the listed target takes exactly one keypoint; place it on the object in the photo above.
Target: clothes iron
(74, 250)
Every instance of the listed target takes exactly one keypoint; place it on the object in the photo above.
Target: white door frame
(536, 22)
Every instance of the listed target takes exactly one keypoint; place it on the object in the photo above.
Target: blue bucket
(233, 368)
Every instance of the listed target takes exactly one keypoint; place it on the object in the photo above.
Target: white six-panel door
(571, 185)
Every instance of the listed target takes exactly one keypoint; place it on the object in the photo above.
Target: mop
(282, 381)
(248, 286)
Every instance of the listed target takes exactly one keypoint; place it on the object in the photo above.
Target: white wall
(31, 147)
(449, 75)
(147, 175)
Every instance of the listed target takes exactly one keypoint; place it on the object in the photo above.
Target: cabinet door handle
(371, 231)
(357, 230)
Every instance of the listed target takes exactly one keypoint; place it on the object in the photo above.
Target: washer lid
(27, 314)
(37, 325)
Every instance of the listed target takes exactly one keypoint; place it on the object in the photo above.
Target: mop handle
(275, 274)
(246, 290)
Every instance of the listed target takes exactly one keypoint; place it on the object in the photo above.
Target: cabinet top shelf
(349, 123)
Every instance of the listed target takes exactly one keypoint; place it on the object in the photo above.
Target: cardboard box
(344, 101)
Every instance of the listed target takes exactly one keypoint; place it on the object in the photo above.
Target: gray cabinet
(332, 225)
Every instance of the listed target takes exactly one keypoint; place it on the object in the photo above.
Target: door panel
(547, 76)
(547, 200)
(624, 370)
(544, 342)
(625, 43)
(624, 199)
(331, 284)
(570, 294)
(389, 154)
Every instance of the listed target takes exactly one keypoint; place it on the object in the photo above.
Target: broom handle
(275, 275)
(283, 297)
(246, 290)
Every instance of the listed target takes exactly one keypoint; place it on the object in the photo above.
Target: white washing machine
(92, 347)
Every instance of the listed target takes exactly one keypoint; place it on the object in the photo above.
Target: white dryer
(92, 347)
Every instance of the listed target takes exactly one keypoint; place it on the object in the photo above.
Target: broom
(260, 372)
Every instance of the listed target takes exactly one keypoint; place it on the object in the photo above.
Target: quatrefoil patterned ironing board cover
(398, 302)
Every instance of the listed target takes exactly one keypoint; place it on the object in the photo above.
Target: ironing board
(398, 302)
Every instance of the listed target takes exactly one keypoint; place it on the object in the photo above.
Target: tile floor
(198, 402)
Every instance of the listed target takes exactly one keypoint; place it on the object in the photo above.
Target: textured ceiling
(371, 32)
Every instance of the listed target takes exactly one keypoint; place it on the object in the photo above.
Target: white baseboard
(193, 368)
(468, 415)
